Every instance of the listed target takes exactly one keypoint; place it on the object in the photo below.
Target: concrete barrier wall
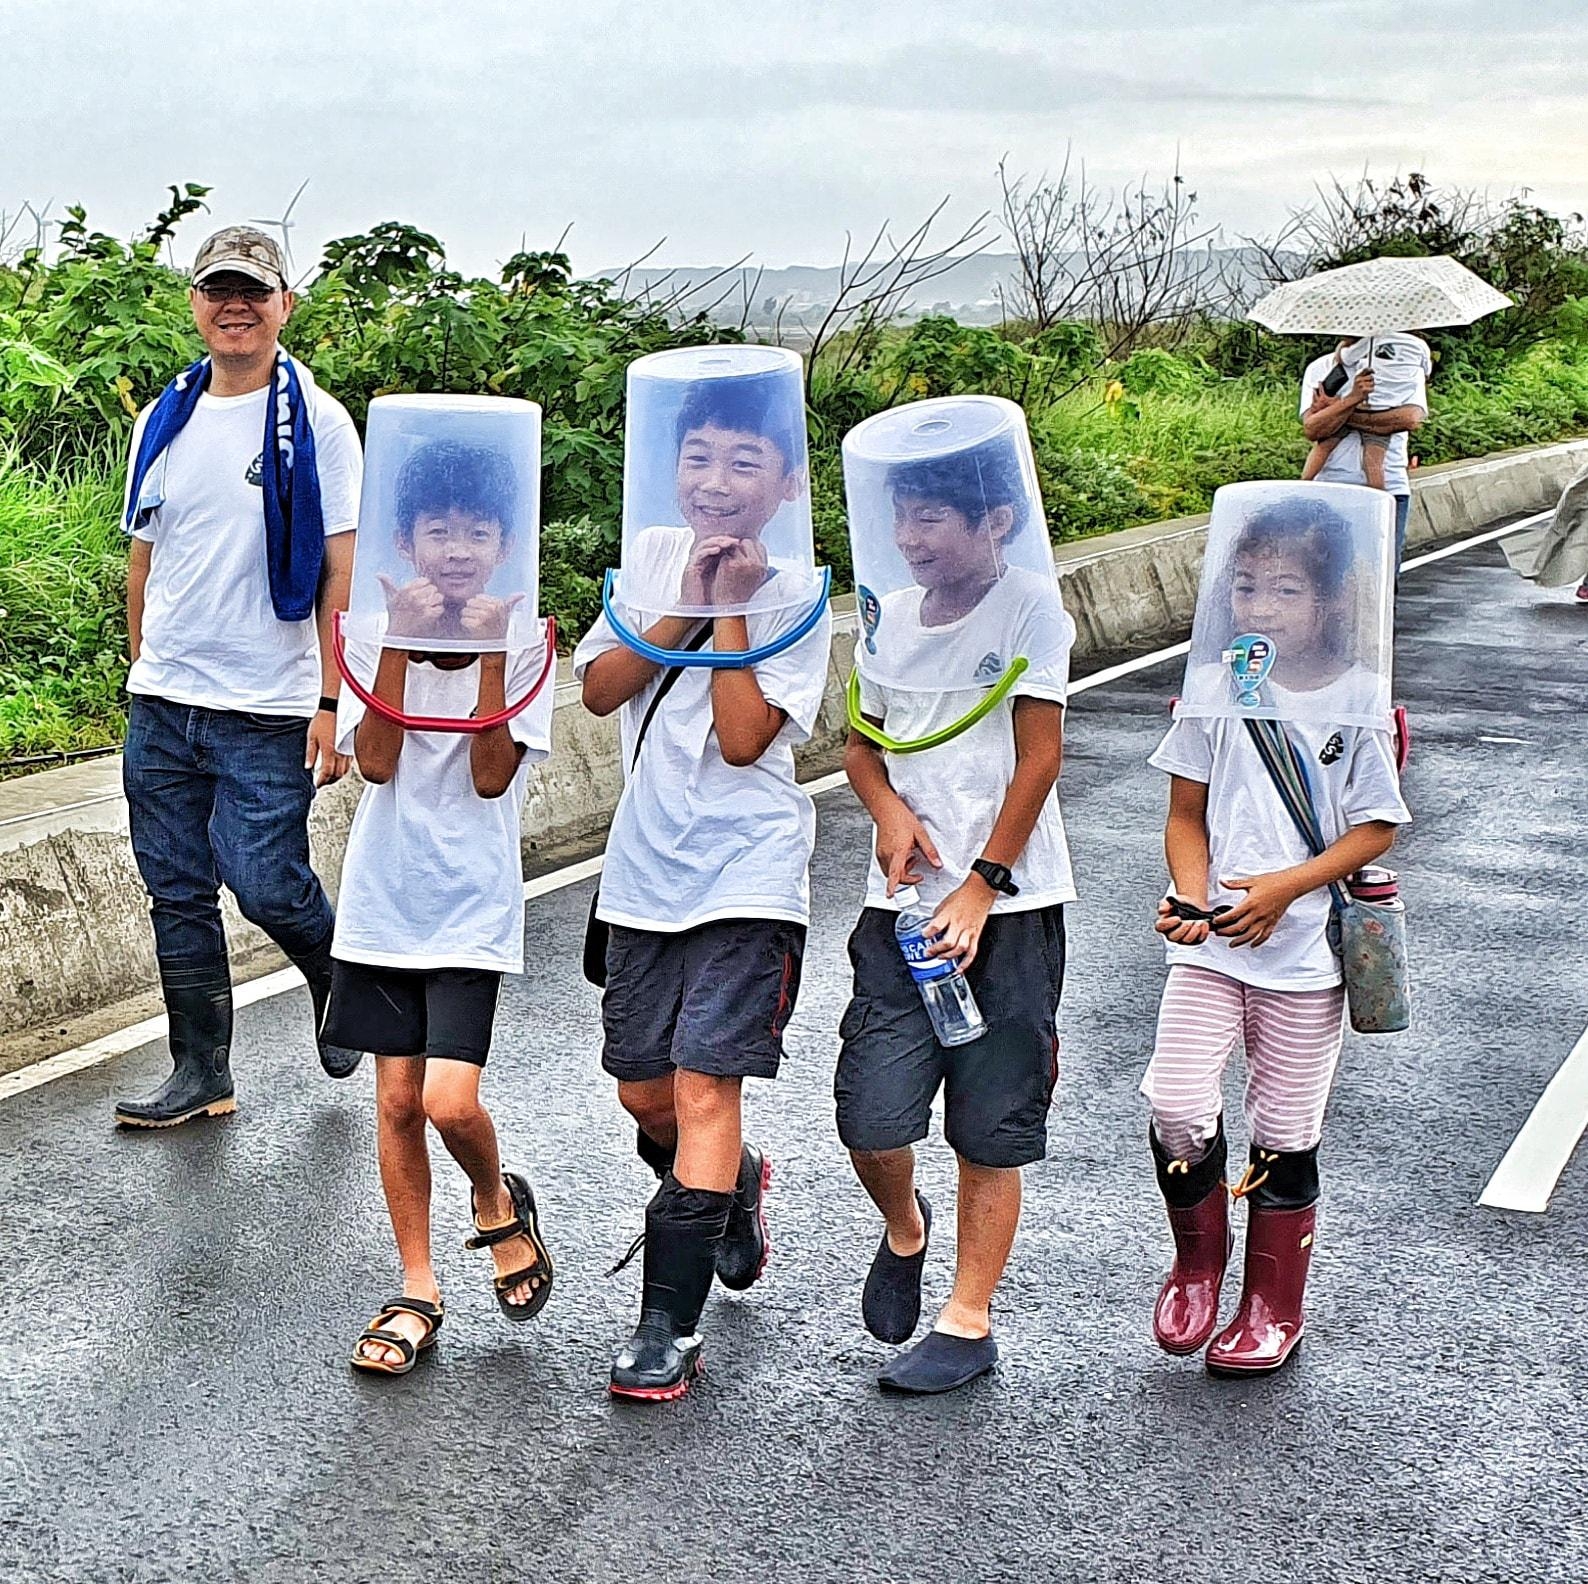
(74, 931)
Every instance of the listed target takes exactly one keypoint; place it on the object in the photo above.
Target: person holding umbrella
(1374, 306)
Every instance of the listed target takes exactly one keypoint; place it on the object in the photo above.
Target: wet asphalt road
(178, 1308)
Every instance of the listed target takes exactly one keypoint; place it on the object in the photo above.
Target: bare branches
(676, 294)
(874, 286)
(1135, 261)
(1042, 222)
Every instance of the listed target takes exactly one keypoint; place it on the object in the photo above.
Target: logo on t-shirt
(256, 472)
(870, 615)
(1332, 750)
(990, 668)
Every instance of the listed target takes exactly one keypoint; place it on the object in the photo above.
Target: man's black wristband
(328, 703)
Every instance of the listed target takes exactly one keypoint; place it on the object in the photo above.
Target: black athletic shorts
(997, 1089)
(713, 999)
(444, 1012)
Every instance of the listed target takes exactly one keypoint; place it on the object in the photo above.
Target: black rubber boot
(337, 1060)
(741, 1255)
(682, 1229)
(659, 1157)
(198, 1004)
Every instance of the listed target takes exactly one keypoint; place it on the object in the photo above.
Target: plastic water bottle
(956, 1019)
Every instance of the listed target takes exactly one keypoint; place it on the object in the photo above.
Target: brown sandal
(378, 1331)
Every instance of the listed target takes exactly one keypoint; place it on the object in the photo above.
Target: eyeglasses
(214, 293)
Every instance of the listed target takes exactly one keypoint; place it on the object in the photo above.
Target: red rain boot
(1268, 1324)
(1198, 1203)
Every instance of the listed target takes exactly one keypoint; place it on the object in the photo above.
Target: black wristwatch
(997, 876)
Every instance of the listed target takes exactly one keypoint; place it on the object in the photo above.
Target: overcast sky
(763, 128)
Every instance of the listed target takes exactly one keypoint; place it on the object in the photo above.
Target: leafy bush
(1152, 371)
(1087, 492)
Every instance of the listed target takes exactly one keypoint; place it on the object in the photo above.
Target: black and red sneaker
(743, 1250)
(655, 1365)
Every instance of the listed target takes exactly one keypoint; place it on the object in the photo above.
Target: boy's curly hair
(443, 476)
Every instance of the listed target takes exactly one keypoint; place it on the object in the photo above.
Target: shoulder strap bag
(1369, 937)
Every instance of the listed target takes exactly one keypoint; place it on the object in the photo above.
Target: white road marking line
(124, 1040)
(1503, 739)
(1487, 537)
(1527, 1176)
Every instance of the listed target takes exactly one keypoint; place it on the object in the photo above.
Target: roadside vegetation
(1123, 340)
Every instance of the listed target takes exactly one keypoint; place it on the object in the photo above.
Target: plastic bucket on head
(954, 577)
(1295, 610)
(447, 557)
(716, 502)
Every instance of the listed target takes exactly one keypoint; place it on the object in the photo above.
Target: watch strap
(996, 875)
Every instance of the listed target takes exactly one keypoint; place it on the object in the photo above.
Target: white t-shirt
(1401, 365)
(1250, 833)
(694, 838)
(433, 876)
(957, 790)
(210, 634)
(1344, 465)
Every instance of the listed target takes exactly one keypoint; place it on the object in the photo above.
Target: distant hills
(973, 290)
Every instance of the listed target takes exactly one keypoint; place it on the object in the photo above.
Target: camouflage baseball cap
(243, 251)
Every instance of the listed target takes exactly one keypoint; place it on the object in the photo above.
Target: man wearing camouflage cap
(242, 498)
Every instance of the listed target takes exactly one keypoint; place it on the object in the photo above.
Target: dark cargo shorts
(997, 1089)
(713, 999)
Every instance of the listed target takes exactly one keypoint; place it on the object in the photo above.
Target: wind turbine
(286, 223)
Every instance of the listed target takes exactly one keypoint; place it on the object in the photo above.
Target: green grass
(63, 561)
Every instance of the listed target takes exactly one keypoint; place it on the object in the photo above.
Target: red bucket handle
(441, 723)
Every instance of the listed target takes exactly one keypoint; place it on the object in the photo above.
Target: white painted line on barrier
(124, 1040)
(1526, 1178)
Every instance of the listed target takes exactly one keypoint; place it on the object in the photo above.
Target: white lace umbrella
(1378, 298)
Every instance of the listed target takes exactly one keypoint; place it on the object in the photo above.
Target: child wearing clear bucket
(431, 909)
(1247, 916)
(705, 889)
(974, 825)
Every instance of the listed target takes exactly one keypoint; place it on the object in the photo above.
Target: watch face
(996, 875)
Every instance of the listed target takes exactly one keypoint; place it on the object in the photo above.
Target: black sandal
(524, 1224)
(377, 1331)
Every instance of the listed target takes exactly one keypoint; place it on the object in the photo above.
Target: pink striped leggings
(1292, 1040)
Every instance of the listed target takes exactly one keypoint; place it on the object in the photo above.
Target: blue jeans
(219, 796)
(1403, 510)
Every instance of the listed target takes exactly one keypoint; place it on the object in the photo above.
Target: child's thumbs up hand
(414, 609)
(487, 617)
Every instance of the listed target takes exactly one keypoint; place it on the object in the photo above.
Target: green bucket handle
(994, 698)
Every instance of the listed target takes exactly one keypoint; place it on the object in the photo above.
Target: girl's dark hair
(443, 476)
(973, 482)
(767, 405)
(1310, 529)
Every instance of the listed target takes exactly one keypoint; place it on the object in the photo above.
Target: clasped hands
(1248, 922)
